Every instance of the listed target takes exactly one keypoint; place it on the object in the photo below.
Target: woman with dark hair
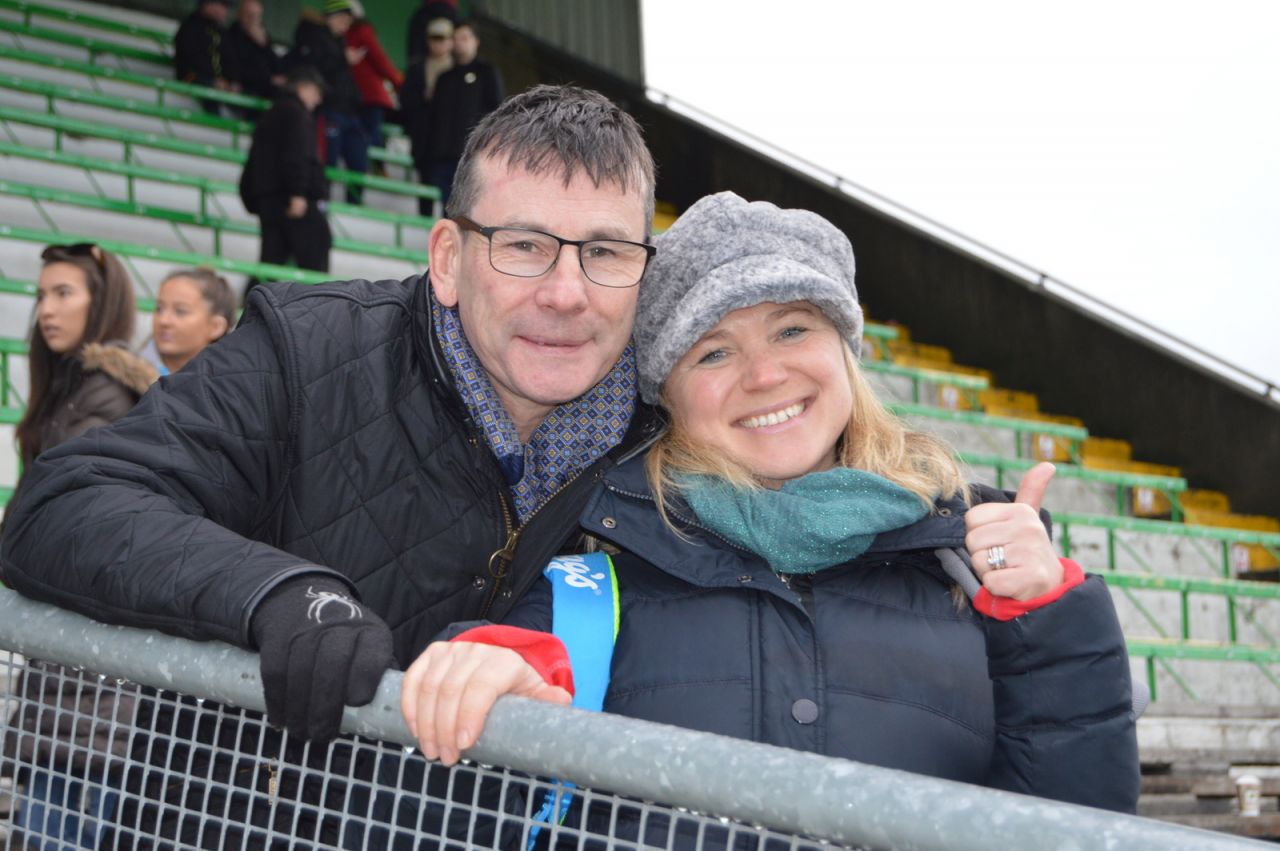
(194, 307)
(82, 373)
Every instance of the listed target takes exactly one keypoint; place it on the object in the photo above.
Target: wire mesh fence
(165, 748)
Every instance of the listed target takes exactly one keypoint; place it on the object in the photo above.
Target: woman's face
(183, 323)
(62, 306)
(767, 386)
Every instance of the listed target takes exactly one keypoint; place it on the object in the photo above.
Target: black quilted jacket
(324, 435)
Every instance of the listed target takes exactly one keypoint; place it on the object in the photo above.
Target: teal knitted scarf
(816, 521)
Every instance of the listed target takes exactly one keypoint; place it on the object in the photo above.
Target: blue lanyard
(585, 616)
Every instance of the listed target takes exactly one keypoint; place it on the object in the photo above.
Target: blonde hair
(875, 440)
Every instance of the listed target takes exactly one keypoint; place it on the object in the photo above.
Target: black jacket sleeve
(1065, 727)
(150, 522)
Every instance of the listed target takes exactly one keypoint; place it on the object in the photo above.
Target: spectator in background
(195, 307)
(372, 73)
(430, 10)
(320, 43)
(466, 93)
(257, 68)
(199, 50)
(283, 181)
(81, 375)
(416, 97)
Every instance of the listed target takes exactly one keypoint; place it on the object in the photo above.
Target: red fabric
(374, 68)
(1007, 608)
(542, 650)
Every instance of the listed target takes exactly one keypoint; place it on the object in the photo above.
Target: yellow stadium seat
(1008, 400)
(1105, 447)
(1244, 557)
(1206, 499)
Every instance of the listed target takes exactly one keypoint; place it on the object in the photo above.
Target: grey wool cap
(725, 253)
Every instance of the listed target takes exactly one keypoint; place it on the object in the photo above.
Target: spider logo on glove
(320, 599)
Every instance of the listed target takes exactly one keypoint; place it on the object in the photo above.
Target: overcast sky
(1131, 149)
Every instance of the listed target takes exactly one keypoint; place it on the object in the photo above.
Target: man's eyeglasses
(527, 253)
(54, 253)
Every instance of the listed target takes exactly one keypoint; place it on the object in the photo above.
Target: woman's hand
(1031, 567)
(448, 691)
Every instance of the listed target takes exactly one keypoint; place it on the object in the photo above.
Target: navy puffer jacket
(870, 660)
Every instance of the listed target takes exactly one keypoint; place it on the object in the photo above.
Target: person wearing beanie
(794, 566)
(320, 43)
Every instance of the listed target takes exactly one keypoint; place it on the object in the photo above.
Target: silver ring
(995, 558)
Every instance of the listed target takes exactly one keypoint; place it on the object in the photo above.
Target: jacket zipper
(501, 559)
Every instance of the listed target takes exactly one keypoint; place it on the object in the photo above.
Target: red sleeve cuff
(1007, 608)
(542, 650)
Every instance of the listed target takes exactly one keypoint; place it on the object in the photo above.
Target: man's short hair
(564, 129)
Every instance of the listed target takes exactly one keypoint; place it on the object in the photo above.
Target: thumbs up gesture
(1008, 545)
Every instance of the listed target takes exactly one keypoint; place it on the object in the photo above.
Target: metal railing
(1032, 276)
(230, 781)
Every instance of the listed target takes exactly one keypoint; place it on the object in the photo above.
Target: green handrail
(30, 10)
(53, 92)
(241, 131)
(1021, 428)
(161, 85)
(94, 46)
(1123, 481)
(206, 185)
(131, 139)
(268, 271)
(971, 384)
(217, 225)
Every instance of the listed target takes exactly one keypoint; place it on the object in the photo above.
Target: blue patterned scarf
(566, 442)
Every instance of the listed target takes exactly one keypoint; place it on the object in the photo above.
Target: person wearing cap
(200, 53)
(416, 31)
(321, 43)
(283, 181)
(417, 98)
(466, 93)
(794, 566)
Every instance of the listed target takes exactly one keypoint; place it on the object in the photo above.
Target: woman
(82, 375)
(195, 307)
(372, 73)
(789, 556)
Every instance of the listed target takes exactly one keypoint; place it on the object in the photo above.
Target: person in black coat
(417, 98)
(321, 44)
(466, 93)
(200, 53)
(258, 69)
(793, 566)
(283, 181)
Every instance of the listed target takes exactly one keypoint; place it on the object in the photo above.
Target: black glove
(320, 650)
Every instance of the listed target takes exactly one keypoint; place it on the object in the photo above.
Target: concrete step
(1265, 826)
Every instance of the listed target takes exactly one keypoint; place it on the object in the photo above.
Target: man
(258, 70)
(359, 465)
(199, 52)
(283, 182)
(322, 45)
(417, 98)
(465, 94)
(416, 32)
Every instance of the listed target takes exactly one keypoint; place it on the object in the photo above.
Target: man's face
(549, 339)
(216, 12)
(250, 14)
(465, 45)
(310, 95)
(439, 46)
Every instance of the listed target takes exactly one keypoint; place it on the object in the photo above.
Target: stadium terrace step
(39, 11)
(133, 58)
(216, 225)
(1159, 546)
(233, 133)
(973, 431)
(197, 152)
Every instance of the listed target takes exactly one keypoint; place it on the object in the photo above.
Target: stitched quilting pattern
(571, 437)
